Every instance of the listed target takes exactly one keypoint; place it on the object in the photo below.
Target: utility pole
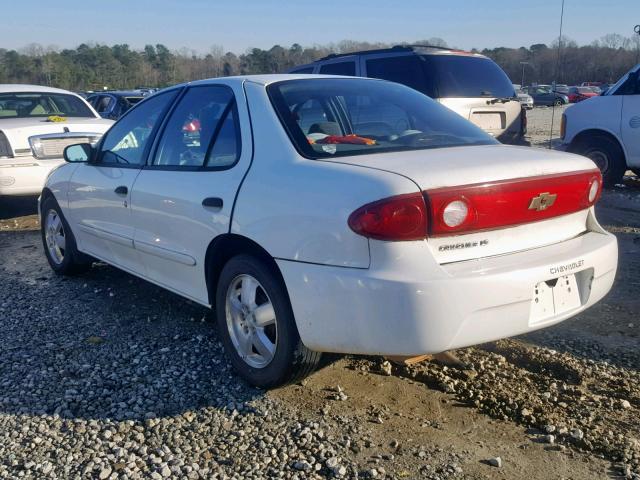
(636, 29)
(522, 80)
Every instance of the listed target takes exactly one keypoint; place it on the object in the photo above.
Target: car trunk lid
(538, 196)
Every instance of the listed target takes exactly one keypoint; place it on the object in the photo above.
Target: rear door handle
(215, 202)
(121, 190)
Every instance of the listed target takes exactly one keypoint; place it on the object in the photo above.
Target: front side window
(339, 68)
(630, 86)
(124, 144)
(202, 130)
(105, 104)
(338, 117)
(26, 105)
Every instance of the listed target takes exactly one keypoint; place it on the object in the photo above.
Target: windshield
(468, 76)
(613, 89)
(338, 117)
(26, 105)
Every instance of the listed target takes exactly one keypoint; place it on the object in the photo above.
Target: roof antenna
(553, 111)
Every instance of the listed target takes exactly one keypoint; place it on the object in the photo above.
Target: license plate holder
(488, 120)
(554, 297)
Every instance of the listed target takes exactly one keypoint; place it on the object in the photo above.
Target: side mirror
(78, 153)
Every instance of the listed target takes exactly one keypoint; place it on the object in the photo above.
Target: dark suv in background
(114, 104)
(470, 84)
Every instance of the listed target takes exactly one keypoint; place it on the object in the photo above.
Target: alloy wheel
(55, 236)
(251, 321)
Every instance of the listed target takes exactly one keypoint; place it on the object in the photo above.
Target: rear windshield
(467, 76)
(25, 105)
(441, 76)
(339, 117)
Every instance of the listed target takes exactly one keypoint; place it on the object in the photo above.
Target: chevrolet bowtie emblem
(543, 201)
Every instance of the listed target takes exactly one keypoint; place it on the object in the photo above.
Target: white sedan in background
(36, 124)
(332, 214)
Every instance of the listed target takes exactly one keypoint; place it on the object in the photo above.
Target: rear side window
(407, 70)
(339, 68)
(202, 131)
(303, 70)
(467, 76)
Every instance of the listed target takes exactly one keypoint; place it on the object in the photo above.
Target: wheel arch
(584, 135)
(46, 193)
(222, 248)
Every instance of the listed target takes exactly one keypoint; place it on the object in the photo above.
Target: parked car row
(545, 95)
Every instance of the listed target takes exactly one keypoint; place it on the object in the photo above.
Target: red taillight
(472, 208)
(513, 202)
(403, 217)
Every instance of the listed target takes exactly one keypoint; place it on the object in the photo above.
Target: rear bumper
(25, 175)
(407, 313)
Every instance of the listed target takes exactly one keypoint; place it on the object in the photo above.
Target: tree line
(94, 67)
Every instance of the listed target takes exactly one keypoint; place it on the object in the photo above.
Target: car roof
(266, 79)
(407, 49)
(26, 88)
(120, 93)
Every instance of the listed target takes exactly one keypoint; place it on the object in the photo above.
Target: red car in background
(578, 94)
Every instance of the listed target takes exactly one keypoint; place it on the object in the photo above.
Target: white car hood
(18, 130)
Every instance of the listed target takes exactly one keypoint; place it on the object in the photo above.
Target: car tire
(607, 155)
(558, 102)
(257, 326)
(58, 241)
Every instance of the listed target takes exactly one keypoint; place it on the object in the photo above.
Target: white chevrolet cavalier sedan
(321, 214)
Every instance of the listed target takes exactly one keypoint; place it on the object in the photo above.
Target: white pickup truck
(607, 128)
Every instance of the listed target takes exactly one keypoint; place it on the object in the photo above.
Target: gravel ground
(106, 376)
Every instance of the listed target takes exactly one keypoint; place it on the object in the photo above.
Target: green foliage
(94, 67)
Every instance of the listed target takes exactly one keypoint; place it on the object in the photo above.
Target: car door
(184, 197)
(630, 121)
(99, 196)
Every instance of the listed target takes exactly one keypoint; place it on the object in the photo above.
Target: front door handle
(214, 202)
(121, 190)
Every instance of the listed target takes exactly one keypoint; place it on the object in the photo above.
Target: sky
(238, 25)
